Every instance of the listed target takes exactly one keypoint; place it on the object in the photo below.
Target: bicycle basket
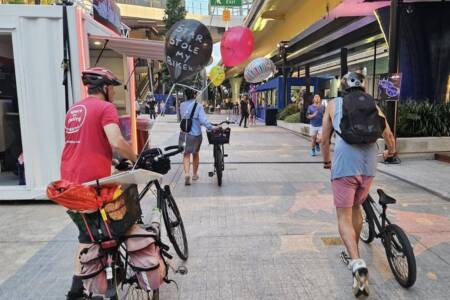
(219, 137)
(161, 166)
(98, 230)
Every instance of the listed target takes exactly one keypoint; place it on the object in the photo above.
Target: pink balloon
(236, 45)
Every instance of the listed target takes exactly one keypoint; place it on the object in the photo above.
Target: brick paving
(260, 236)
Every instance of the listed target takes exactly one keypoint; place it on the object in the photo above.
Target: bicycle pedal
(210, 174)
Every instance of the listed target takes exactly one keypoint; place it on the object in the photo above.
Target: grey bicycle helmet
(352, 80)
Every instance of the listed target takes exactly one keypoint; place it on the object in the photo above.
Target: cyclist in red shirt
(91, 133)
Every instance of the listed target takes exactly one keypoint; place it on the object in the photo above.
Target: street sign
(226, 3)
(226, 15)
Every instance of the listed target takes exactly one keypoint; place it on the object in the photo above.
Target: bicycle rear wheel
(368, 230)
(400, 256)
(174, 224)
(219, 164)
(127, 286)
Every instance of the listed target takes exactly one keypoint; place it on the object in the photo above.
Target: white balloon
(259, 70)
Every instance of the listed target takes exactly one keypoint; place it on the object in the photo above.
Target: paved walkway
(268, 233)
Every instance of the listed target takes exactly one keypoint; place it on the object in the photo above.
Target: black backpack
(361, 122)
(186, 124)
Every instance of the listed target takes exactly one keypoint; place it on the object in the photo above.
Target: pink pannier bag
(93, 273)
(145, 258)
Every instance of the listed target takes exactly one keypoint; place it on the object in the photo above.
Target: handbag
(186, 124)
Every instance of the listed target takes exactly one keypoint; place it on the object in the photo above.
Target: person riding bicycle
(91, 133)
(192, 140)
(354, 164)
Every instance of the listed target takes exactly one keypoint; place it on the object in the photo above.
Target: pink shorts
(351, 190)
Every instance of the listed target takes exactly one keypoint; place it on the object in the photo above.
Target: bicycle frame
(368, 206)
(159, 190)
(217, 146)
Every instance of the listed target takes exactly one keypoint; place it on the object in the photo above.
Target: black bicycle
(159, 162)
(218, 138)
(398, 249)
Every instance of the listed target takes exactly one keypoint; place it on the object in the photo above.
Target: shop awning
(137, 48)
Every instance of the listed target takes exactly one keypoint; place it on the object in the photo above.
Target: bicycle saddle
(385, 199)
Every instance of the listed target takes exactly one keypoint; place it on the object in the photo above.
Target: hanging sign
(227, 3)
(107, 13)
(389, 86)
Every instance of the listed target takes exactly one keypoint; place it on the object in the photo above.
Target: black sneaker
(77, 296)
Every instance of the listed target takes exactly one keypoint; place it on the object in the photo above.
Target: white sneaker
(360, 277)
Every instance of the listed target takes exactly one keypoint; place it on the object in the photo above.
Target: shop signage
(389, 86)
(107, 13)
(226, 2)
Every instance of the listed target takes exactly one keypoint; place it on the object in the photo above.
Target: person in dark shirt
(152, 107)
(244, 111)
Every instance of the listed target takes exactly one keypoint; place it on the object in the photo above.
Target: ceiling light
(97, 43)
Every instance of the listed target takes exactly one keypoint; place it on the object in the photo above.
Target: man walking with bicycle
(358, 123)
(91, 132)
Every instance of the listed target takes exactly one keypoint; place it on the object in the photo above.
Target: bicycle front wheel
(368, 231)
(219, 165)
(174, 225)
(400, 256)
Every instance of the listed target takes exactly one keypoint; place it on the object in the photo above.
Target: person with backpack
(358, 123)
(193, 116)
(315, 114)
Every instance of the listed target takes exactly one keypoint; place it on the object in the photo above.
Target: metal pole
(285, 72)
(391, 105)
(307, 96)
(374, 73)
(344, 65)
(150, 75)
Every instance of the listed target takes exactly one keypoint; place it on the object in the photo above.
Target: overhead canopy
(137, 48)
(273, 21)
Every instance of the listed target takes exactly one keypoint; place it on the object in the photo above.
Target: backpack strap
(193, 110)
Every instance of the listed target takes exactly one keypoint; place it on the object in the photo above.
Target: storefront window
(11, 157)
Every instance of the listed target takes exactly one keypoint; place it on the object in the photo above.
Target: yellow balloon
(217, 75)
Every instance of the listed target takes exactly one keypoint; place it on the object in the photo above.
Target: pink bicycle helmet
(97, 77)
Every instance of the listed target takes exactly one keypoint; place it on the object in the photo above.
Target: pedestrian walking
(151, 102)
(358, 123)
(252, 120)
(191, 136)
(244, 110)
(315, 114)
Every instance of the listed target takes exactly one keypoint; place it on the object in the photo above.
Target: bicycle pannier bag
(93, 273)
(145, 258)
(361, 122)
(186, 124)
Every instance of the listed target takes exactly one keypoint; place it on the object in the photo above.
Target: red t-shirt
(87, 154)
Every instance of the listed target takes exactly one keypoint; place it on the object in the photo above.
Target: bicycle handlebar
(221, 123)
(177, 149)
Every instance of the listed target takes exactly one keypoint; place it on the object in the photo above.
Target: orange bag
(79, 197)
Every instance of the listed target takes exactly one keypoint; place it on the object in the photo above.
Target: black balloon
(188, 49)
